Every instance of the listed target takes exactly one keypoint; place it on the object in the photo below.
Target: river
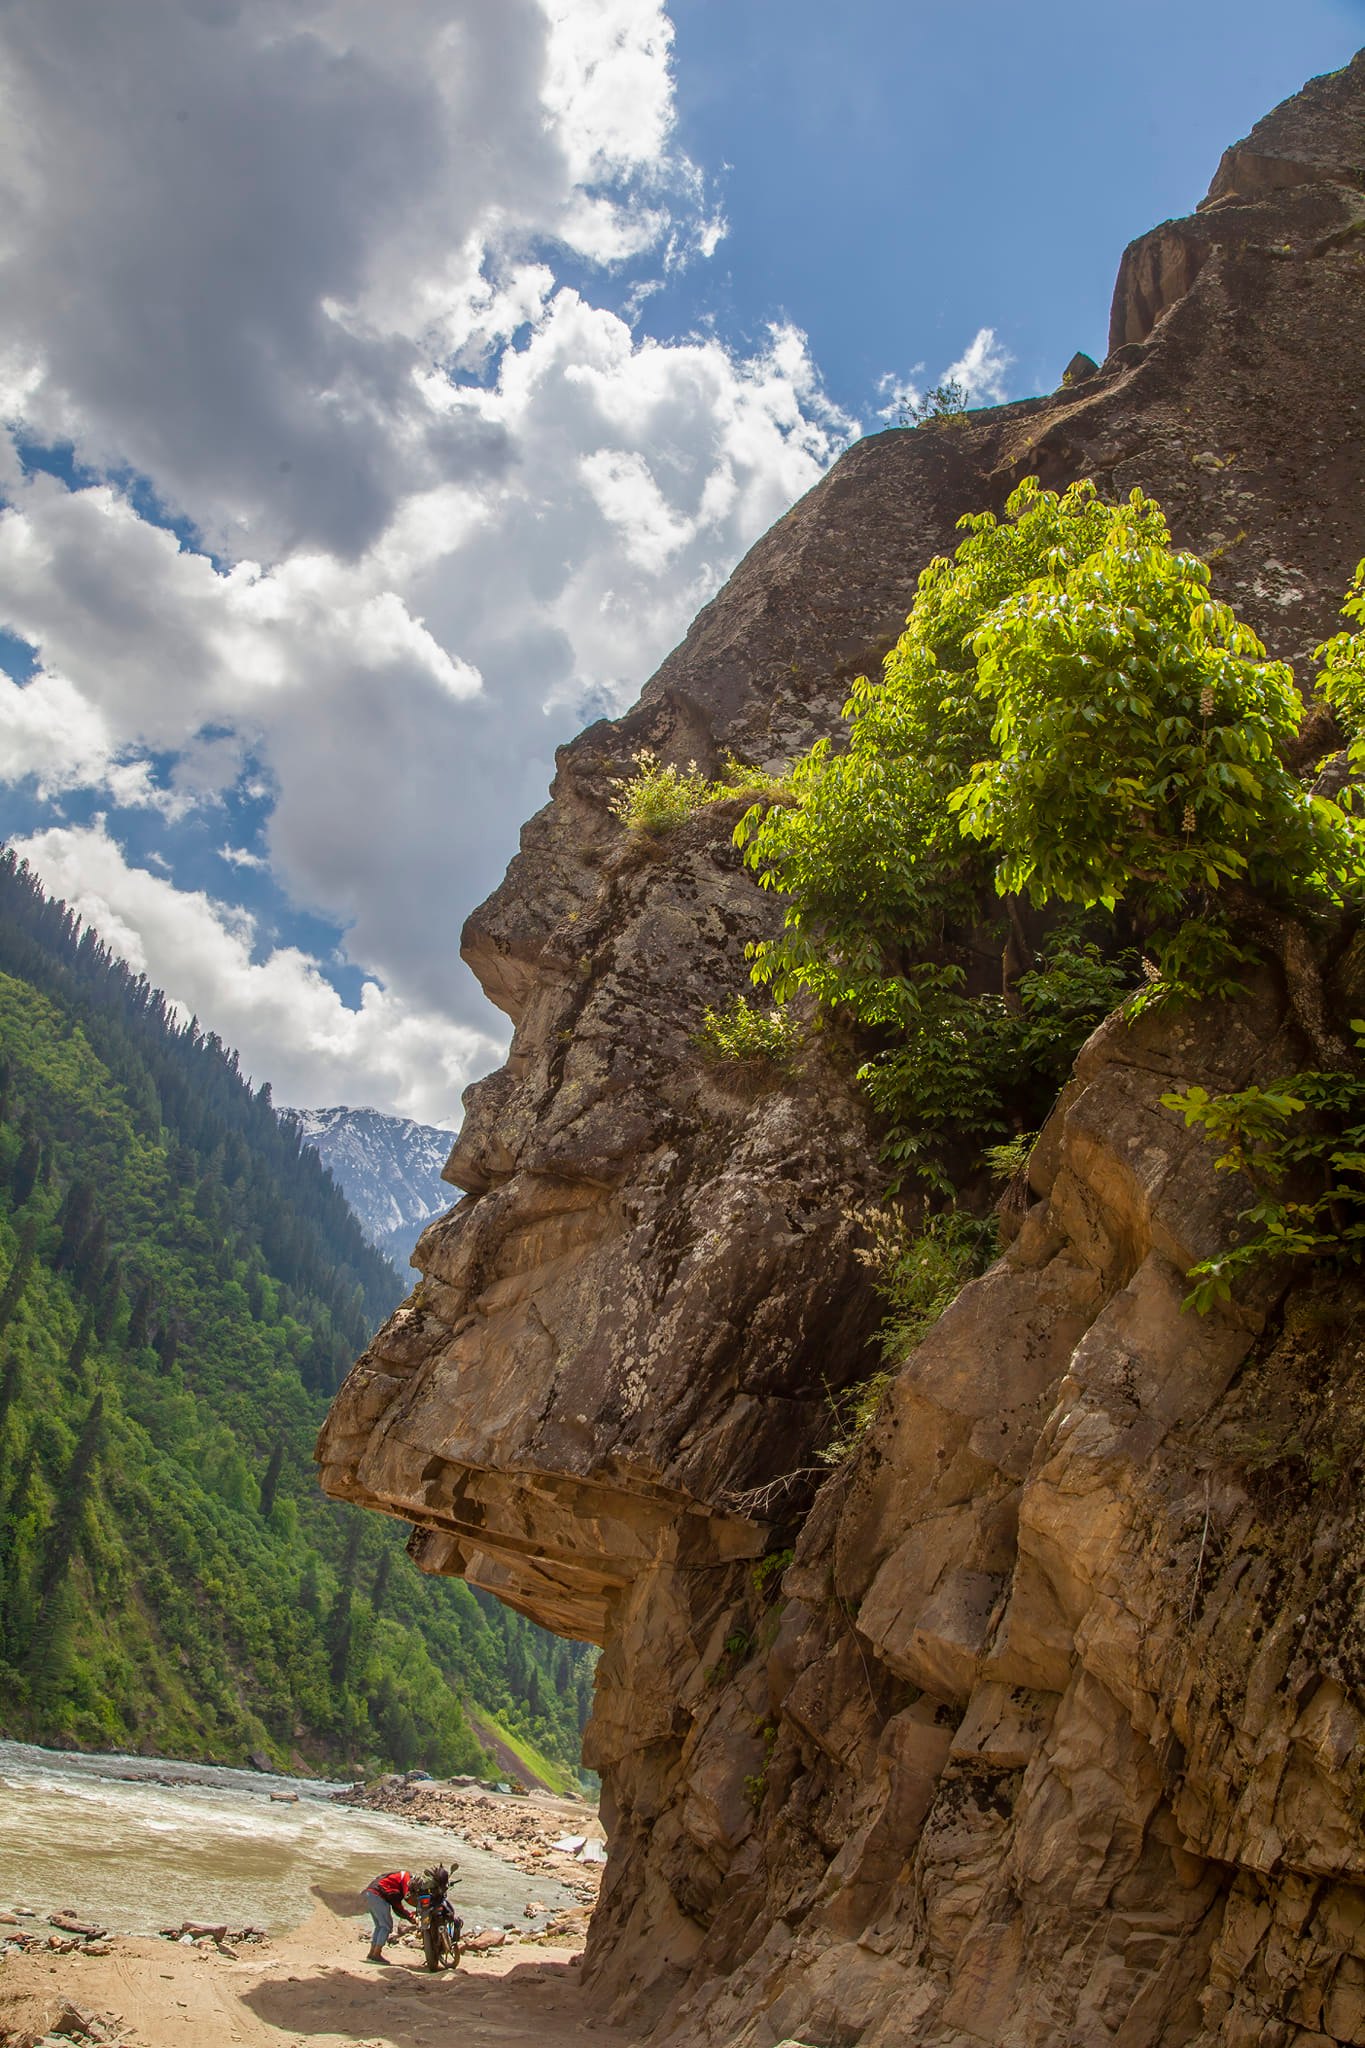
(101, 1835)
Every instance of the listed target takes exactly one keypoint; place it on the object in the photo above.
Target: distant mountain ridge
(388, 1168)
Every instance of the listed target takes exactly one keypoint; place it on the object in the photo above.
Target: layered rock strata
(1050, 1730)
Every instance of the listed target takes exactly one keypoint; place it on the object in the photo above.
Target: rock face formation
(1053, 1728)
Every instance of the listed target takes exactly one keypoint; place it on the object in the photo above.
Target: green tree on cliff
(1071, 729)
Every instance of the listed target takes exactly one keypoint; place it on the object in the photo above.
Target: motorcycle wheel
(431, 1944)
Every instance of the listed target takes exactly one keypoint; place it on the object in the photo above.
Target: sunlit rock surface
(1051, 1731)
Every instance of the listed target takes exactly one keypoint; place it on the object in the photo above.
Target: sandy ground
(308, 1989)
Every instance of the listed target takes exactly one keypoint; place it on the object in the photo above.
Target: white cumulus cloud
(374, 502)
(286, 1020)
(980, 373)
(981, 368)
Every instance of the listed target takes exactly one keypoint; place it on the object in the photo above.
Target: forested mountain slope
(180, 1284)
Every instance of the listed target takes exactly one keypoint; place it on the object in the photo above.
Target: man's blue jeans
(381, 1912)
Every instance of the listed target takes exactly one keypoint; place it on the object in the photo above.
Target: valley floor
(308, 1989)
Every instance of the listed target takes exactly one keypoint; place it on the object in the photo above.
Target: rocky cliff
(1051, 1730)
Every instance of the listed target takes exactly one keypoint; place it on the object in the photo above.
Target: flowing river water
(109, 1837)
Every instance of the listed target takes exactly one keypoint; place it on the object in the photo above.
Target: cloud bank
(338, 486)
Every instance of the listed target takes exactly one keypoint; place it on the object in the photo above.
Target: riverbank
(135, 1854)
(522, 1831)
(311, 1986)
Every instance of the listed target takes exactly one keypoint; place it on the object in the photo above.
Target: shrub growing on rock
(1072, 731)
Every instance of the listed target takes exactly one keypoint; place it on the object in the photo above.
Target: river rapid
(105, 1836)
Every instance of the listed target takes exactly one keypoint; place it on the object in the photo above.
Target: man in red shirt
(384, 1897)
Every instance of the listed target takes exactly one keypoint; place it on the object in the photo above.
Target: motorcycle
(437, 1922)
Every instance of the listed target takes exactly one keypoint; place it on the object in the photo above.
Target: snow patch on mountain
(388, 1168)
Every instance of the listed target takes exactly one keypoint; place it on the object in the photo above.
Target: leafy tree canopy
(1068, 720)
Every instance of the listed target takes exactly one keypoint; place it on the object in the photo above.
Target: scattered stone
(73, 2023)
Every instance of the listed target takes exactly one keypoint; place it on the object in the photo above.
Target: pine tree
(110, 1301)
(380, 1590)
(339, 1622)
(140, 1319)
(310, 1587)
(167, 1343)
(13, 1590)
(9, 1384)
(75, 1357)
(27, 1166)
(63, 1531)
(270, 1483)
(91, 1260)
(76, 1214)
(19, 1272)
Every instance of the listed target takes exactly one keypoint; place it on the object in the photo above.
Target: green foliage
(1067, 720)
(1341, 671)
(1200, 960)
(854, 1411)
(958, 1064)
(1136, 736)
(1004, 1161)
(768, 1571)
(917, 1272)
(756, 1782)
(751, 1036)
(1072, 986)
(659, 796)
(170, 1576)
(946, 401)
(1300, 1145)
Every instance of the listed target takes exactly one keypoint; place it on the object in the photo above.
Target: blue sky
(382, 397)
(901, 176)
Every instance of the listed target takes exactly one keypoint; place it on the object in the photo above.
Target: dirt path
(308, 1989)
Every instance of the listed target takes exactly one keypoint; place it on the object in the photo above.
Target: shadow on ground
(347, 1905)
(536, 2005)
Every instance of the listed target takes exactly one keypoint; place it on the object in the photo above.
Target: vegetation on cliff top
(1069, 789)
(180, 1286)
(1074, 761)
(1073, 756)
(1072, 752)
